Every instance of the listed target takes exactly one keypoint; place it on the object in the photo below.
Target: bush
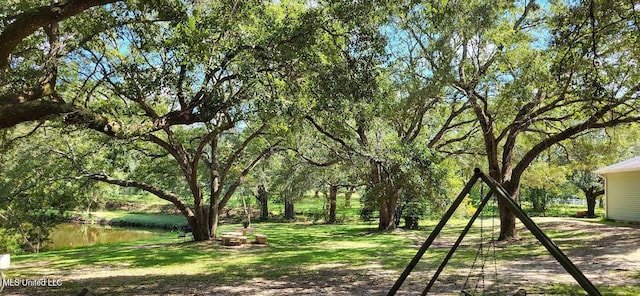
(9, 241)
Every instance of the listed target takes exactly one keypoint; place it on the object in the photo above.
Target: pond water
(69, 235)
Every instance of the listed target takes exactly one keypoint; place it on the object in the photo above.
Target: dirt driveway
(608, 255)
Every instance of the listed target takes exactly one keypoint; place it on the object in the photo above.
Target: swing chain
(493, 242)
(482, 253)
(479, 253)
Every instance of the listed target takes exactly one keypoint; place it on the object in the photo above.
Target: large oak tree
(535, 73)
(197, 102)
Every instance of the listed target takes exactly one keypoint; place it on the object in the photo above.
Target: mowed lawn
(306, 259)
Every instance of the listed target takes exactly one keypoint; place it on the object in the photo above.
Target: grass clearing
(292, 249)
(303, 258)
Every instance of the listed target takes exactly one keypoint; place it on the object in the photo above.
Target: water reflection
(66, 236)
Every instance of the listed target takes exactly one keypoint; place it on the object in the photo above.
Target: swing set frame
(504, 196)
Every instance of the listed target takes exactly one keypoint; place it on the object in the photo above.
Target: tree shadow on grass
(323, 281)
(132, 256)
(608, 256)
(319, 261)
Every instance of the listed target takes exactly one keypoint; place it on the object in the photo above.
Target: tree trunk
(507, 218)
(347, 198)
(333, 198)
(591, 205)
(200, 233)
(386, 196)
(592, 195)
(263, 199)
(215, 219)
(289, 212)
(388, 210)
(214, 209)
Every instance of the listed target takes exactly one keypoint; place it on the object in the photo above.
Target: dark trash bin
(411, 222)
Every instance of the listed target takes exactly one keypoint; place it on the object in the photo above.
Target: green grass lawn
(292, 248)
(139, 219)
(340, 255)
(350, 255)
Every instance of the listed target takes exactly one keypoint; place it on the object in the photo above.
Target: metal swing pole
(434, 233)
(457, 243)
(541, 236)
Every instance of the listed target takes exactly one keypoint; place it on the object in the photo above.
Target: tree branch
(31, 20)
(447, 124)
(232, 188)
(591, 123)
(233, 157)
(313, 162)
(161, 193)
(329, 135)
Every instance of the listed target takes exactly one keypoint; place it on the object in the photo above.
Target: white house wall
(623, 196)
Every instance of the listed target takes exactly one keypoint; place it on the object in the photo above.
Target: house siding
(623, 196)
